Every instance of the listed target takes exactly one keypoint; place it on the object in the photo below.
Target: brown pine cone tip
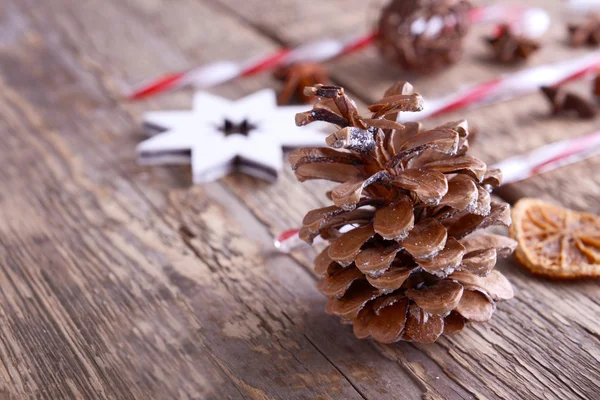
(585, 33)
(423, 35)
(409, 270)
(510, 48)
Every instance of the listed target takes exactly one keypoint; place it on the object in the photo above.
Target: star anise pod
(298, 76)
(510, 48)
(585, 33)
(565, 103)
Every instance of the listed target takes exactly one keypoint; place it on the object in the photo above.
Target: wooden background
(123, 282)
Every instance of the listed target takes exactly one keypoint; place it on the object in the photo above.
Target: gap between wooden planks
(116, 286)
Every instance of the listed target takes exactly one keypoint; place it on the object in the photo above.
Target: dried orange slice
(556, 242)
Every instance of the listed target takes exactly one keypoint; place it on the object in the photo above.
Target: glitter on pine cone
(412, 267)
(423, 35)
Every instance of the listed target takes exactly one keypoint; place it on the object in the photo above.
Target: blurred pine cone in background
(423, 35)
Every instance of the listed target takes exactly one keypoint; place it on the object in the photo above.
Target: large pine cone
(423, 35)
(400, 264)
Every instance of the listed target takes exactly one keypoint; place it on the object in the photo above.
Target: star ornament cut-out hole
(219, 136)
(231, 128)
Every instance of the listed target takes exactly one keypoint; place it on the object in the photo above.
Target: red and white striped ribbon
(219, 72)
(549, 157)
(509, 86)
(527, 21)
(514, 169)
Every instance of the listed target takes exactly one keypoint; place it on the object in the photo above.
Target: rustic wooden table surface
(121, 282)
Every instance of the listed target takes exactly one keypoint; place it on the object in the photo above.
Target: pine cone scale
(349, 193)
(462, 165)
(388, 323)
(375, 261)
(345, 248)
(429, 186)
(483, 204)
(353, 301)
(446, 261)
(504, 246)
(323, 262)
(423, 327)
(479, 262)
(385, 326)
(443, 140)
(328, 225)
(494, 284)
(475, 306)
(396, 220)
(454, 323)
(426, 239)
(391, 279)
(462, 192)
(464, 224)
(338, 280)
(315, 219)
(439, 299)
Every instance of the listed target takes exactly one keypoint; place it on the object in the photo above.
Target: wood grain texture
(122, 282)
(159, 243)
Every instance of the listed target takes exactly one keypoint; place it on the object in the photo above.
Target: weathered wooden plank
(80, 296)
(268, 204)
(348, 365)
(111, 202)
(537, 351)
(511, 355)
(198, 304)
(178, 366)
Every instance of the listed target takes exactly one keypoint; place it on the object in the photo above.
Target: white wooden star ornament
(219, 136)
